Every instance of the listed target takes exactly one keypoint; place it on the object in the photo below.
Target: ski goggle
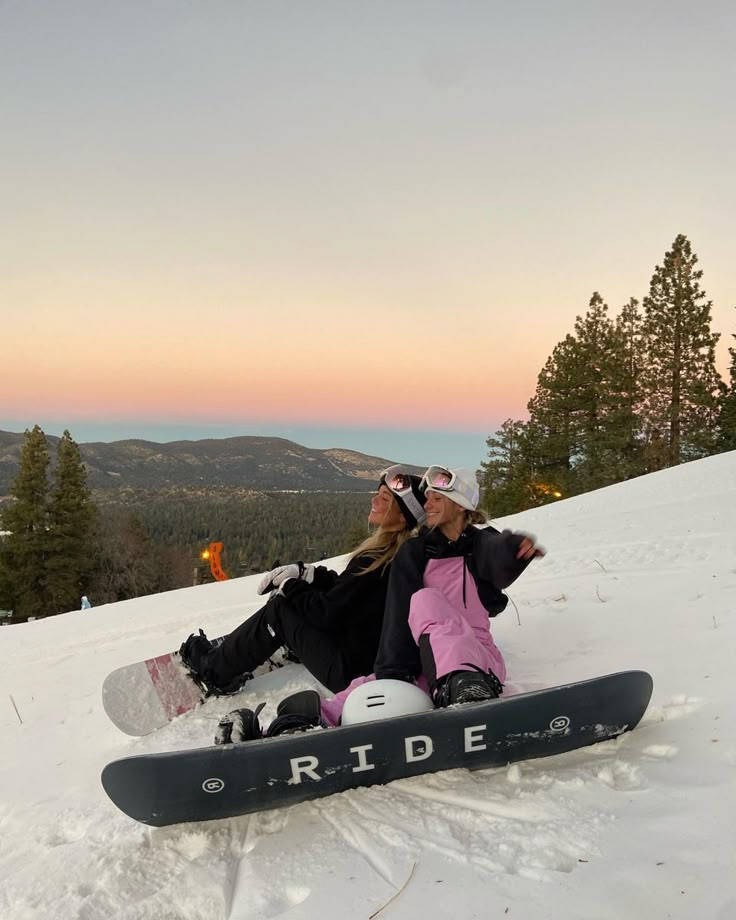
(461, 489)
(398, 480)
(439, 478)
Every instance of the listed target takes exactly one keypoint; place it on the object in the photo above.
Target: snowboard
(236, 779)
(142, 697)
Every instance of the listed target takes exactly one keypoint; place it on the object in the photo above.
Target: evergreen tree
(727, 418)
(607, 395)
(71, 513)
(583, 431)
(507, 476)
(554, 411)
(594, 344)
(356, 534)
(24, 549)
(680, 382)
(630, 349)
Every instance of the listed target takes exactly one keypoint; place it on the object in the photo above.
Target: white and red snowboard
(139, 698)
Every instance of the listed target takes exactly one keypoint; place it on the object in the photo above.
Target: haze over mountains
(260, 463)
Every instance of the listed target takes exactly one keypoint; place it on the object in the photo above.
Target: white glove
(278, 576)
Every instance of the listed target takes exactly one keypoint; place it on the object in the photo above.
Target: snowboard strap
(239, 725)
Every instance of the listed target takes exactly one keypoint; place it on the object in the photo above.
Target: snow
(639, 575)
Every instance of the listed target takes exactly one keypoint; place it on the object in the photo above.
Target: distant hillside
(259, 463)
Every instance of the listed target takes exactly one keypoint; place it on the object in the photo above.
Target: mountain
(261, 463)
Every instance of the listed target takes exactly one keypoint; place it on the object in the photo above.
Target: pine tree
(594, 336)
(507, 477)
(607, 395)
(71, 513)
(24, 550)
(727, 418)
(554, 412)
(630, 349)
(680, 381)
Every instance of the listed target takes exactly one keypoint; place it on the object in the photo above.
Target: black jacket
(490, 560)
(348, 606)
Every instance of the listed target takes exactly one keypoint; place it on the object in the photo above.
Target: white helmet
(384, 699)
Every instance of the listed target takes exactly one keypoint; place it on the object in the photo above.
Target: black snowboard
(236, 779)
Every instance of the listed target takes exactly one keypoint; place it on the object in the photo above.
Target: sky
(368, 224)
(639, 575)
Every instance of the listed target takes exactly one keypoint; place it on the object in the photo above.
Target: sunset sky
(351, 224)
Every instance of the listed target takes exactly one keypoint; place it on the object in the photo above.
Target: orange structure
(212, 554)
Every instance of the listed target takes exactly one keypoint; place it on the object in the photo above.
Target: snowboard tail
(142, 697)
(230, 780)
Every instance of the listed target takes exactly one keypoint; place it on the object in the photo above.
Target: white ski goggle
(439, 478)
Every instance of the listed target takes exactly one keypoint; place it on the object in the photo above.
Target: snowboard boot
(239, 725)
(290, 656)
(196, 653)
(467, 687)
(297, 713)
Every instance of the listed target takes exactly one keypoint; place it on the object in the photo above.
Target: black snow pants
(274, 625)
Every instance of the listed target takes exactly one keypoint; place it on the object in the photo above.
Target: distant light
(205, 554)
(544, 489)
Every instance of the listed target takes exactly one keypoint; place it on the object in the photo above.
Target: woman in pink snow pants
(444, 586)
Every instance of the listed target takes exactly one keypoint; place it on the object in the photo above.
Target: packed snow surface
(638, 575)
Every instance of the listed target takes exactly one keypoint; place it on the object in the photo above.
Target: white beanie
(464, 491)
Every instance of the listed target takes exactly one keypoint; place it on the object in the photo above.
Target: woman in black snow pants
(331, 622)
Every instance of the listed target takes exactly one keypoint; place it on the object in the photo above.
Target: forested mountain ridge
(120, 520)
(250, 462)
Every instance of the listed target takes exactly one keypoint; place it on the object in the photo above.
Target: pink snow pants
(459, 637)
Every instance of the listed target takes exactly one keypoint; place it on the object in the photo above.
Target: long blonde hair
(382, 545)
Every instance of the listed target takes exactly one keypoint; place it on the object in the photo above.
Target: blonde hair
(382, 545)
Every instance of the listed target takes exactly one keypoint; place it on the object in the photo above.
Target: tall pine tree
(681, 386)
(24, 549)
(507, 479)
(630, 349)
(71, 515)
(727, 418)
(554, 412)
(597, 396)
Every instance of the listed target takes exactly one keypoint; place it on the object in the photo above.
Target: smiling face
(444, 513)
(385, 511)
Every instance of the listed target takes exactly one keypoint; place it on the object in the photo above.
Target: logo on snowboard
(560, 723)
(213, 784)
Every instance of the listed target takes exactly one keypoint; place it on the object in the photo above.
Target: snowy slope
(639, 575)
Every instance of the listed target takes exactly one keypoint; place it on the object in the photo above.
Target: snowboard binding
(195, 654)
(297, 713)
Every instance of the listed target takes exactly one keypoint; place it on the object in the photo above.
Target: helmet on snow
(384, 699)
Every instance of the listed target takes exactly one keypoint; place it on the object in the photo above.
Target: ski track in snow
(639, 575)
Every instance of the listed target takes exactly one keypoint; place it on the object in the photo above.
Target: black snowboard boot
(297, 713)
(197, 653)
(466, 687)
(239, 725)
